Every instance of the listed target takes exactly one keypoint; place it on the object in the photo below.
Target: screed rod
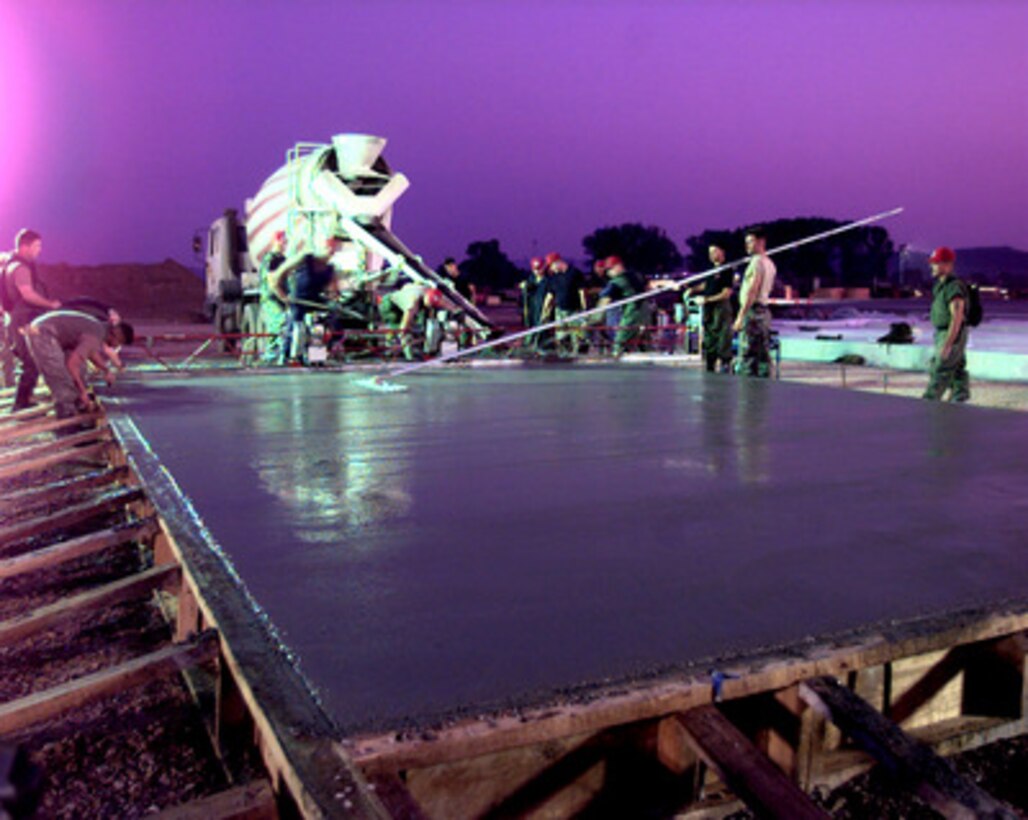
(676, 285)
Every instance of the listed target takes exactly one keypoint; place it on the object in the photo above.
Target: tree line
(856, 258)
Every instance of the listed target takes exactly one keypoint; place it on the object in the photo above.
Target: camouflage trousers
(755, 343)
(717, 334)
(949, 373)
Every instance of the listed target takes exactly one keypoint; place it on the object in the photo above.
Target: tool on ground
(380, 381)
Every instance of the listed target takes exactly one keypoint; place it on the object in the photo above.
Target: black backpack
(974, 305)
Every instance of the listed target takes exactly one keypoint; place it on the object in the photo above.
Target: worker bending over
(405, 309)
(62, 343)
(311, 282)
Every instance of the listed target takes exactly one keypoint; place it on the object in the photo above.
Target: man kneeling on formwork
(62, 342)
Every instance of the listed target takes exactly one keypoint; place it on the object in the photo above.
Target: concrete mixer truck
(344, 188)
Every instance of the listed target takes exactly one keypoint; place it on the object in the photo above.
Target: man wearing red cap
(566, 297)
(635, 316)
(948, 367)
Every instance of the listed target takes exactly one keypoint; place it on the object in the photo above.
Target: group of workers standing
(555, 292)
(55, 340)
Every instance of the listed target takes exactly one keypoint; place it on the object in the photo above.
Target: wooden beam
(46, 617)
(253, 801)
(57, 445)
(52, 460)
(33, 497)
(24, 415)
(930, 684)
(933, 778)
(76, 548)
(11, 432)
(68, 517)
(744, 769)
(17, 714)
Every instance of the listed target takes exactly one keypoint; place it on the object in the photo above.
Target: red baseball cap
(612, 261)
(537, 262)
(433, 297)
(942, 254)
(551, 258)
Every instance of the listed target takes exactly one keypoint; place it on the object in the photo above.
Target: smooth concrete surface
(493, 537)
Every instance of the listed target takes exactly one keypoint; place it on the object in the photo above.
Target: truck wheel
(226, 320)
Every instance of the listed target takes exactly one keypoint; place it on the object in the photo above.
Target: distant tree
(488, 267)
(644, 248)
(855, 258)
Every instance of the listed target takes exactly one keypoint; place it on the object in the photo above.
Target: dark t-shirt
(72, 329)
(311, 278)
(462, 286)
(713, 285)
(535, 295)
(565, 287)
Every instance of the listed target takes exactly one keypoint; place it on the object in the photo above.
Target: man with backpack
(950, 317)
(24, 298)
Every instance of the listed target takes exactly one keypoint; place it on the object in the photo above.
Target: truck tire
(226, 321)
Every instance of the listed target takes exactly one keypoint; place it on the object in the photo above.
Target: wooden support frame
(22, 415)
(933, 778)
(47, 617)
(34, 451)
(14, 432)
(31, 498)
(53, 459)
(69, 516)
(73, 548)
(745, 769)
(17, 714)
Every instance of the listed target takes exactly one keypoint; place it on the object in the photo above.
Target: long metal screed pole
(649, 294)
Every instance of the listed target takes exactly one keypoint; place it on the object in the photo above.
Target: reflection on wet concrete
(493, 536)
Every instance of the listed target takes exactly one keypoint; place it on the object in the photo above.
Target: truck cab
(231, 277)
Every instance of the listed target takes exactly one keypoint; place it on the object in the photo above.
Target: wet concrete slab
(492, 537)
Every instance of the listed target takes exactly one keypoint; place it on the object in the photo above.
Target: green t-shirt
(944, 291)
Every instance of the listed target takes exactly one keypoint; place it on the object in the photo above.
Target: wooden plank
(253, 801)
(743, 768)
(33, 497)
(52, 460)
(68, 517)
(23, 415)
(18, 714)
(35, 426)
(76, 548)
(46, 617)
(929, 684)
(57, 445)
(933, 778)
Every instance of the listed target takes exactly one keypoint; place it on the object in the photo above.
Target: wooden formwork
(764, 729)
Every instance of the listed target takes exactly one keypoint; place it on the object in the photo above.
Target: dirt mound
(166, 291)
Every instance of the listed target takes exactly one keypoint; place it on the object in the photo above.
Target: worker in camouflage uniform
(273, 311)
(948, 368)
(715, 295)
(635, 316)
(754, 319)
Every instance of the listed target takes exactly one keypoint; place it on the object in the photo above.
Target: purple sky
(126, 125)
